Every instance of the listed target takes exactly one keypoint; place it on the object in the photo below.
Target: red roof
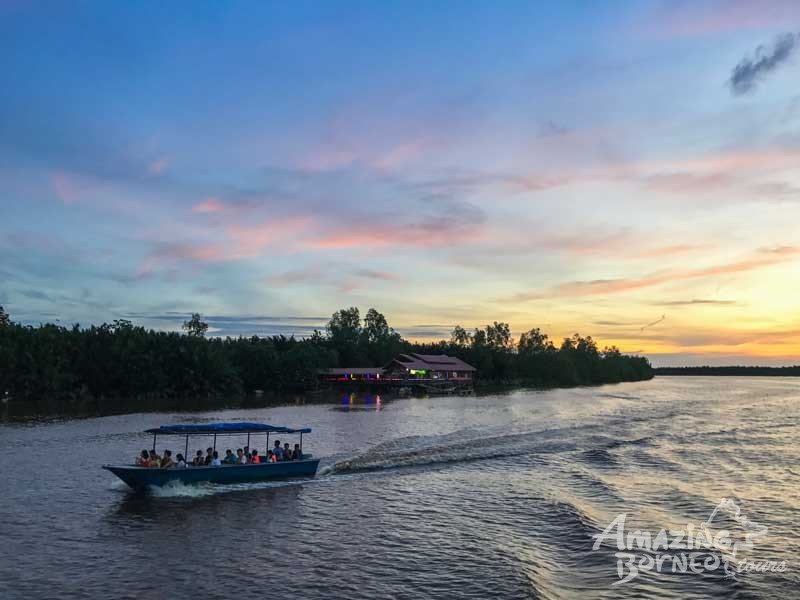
(431, 362)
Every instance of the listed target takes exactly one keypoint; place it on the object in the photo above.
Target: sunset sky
(626, 170)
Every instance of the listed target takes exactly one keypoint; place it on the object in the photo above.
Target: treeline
(733, 370)
(121, 366)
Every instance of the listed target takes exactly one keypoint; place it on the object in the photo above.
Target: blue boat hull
(140, 477)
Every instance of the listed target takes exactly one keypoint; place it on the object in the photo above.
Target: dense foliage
(104, 367)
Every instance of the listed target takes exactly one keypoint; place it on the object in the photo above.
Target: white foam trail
(119, 485)
(461, 446)
(178, 489)
(326, 470)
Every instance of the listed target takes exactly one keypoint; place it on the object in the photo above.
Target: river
(470, 497)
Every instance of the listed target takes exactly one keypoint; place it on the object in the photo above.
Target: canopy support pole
(301, 443)
(248, 441)
(215, 443)
(267, 448)
(186, 449)
(154, 442)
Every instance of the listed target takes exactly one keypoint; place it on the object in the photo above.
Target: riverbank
(88, 407)
(120, 367)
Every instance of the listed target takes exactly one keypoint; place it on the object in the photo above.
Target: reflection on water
(494, 496)
(360, 401)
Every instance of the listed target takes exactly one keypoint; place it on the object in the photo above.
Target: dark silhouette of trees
(195, 326)
(5, 320)
(460, 337)
(119, 366)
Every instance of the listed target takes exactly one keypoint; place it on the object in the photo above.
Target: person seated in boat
(209, 456)
(155, 460)
(167, 461)
(143, 460)
(254, 459)
(297, 454)
(180, 462)
(271, 456)
(278, 451)
(240, 457)
(230, 457)
(287, 452)
(198, 459)
(215, 461)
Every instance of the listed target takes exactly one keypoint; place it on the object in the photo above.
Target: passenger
(215, 461)
(297, 454)
(143, 460)
(155, 460)
(271, 456)
(209, 456)
(230, 457)
(278, 451)
(240, 457)
(287, 452)
(181, 464)
(198, 459)
(167, 461)
(254, 459)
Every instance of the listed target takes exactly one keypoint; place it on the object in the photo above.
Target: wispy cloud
(751, 70)
(242, 242)
(763, 258)
(307, 274)
(158, 166)
(67, 187)
(672, 249)
(343, 277)
(440, 222)
(380, 275)
(696, 301)
(707, 17)
(209, 205)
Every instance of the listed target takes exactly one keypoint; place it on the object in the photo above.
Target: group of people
(243, 456)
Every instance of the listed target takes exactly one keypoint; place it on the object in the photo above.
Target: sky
(626, 170)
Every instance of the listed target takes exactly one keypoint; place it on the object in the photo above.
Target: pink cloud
(67, 187)
(673, 249)
(438, 232)
(252, 240)
(209, 205)
(243, 242)
(764, 258)
(707, 17)
(738, 171)
(339, 154)
(158, 166)
(168, 254)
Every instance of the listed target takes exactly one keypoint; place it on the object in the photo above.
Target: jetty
(429, 373)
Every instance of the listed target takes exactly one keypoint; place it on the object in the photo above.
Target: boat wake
(459, 447)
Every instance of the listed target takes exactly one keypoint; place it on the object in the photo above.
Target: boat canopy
(223, 428)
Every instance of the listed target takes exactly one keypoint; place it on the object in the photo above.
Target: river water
(487, 496)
